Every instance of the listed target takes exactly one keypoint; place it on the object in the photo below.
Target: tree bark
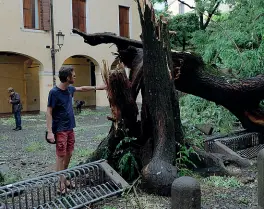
(159, 173)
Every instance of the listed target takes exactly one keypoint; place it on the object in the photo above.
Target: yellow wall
(32, 88)
(12, 71)
(82, 70)
(23, 78)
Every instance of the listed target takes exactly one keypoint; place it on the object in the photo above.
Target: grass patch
(100, 137)
(73, 162)
(89, 112)
(9, 178)
(80, 129)
(83, 152)
(8, 121)
(79, 155)
(3, 137)
(35, 146)
(224, 182)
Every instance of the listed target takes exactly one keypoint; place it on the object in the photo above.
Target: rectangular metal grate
(93, 182)
(246, 144)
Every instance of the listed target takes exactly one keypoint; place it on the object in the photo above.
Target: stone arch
(21, 72)
(87, 72)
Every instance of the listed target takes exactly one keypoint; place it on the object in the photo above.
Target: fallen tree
(150, 145)
(240, 97)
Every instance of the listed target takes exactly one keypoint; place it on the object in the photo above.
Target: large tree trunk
(159, 173)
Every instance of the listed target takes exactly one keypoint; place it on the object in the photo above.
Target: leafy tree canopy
(234, 40)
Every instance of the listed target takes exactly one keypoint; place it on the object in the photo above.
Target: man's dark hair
(64, 73)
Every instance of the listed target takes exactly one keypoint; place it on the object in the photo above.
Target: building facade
(26, 45)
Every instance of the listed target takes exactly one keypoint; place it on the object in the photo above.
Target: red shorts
(65, 143)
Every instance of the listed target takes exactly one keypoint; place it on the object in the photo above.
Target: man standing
(61, 121)
(16, 107)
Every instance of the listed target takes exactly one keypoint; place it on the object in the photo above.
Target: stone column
(261, 179)
(186, 193)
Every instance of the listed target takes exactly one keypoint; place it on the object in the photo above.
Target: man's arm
(90, 88)
(49, 119)
(50, 136)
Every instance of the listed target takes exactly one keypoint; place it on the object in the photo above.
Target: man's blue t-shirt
(62, 110)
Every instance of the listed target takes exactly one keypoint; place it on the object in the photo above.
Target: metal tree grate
(93, 182)
(246, 144)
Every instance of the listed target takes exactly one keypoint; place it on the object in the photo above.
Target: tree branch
(106, 38)
(211, 14)
(191, 7)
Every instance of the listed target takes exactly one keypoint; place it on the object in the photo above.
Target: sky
(159, 6)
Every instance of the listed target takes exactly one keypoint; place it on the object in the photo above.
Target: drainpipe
(53, 52)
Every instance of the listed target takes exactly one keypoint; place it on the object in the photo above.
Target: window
(124, 21)
(36, 14)
(79, 14)
(181, 8)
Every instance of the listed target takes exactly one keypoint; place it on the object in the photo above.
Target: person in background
(61, 121)
(16, 107)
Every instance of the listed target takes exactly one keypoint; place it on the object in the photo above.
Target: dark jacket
(15, 101)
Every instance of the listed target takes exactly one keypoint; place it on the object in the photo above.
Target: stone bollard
(185, 193)
(261, 178)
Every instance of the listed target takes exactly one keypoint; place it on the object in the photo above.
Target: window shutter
(121, 28)
(44, 15)
(124, 21)
(82, 15)
(27, 13)
(33, 13)
(75, 13)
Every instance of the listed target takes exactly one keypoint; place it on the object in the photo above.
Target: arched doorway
(22, 73)
(84, 68)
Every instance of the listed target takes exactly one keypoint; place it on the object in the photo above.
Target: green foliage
(8, 121)
(9, 178)
(127, 162)
(124, 141)
(4, 137)
(128, 166)
(184, 159)
(80, 155)
(35, 146)
(195, 110)
(184, 25)
(234, 40)
(100, 137)
(224, 182)
(87, 112)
